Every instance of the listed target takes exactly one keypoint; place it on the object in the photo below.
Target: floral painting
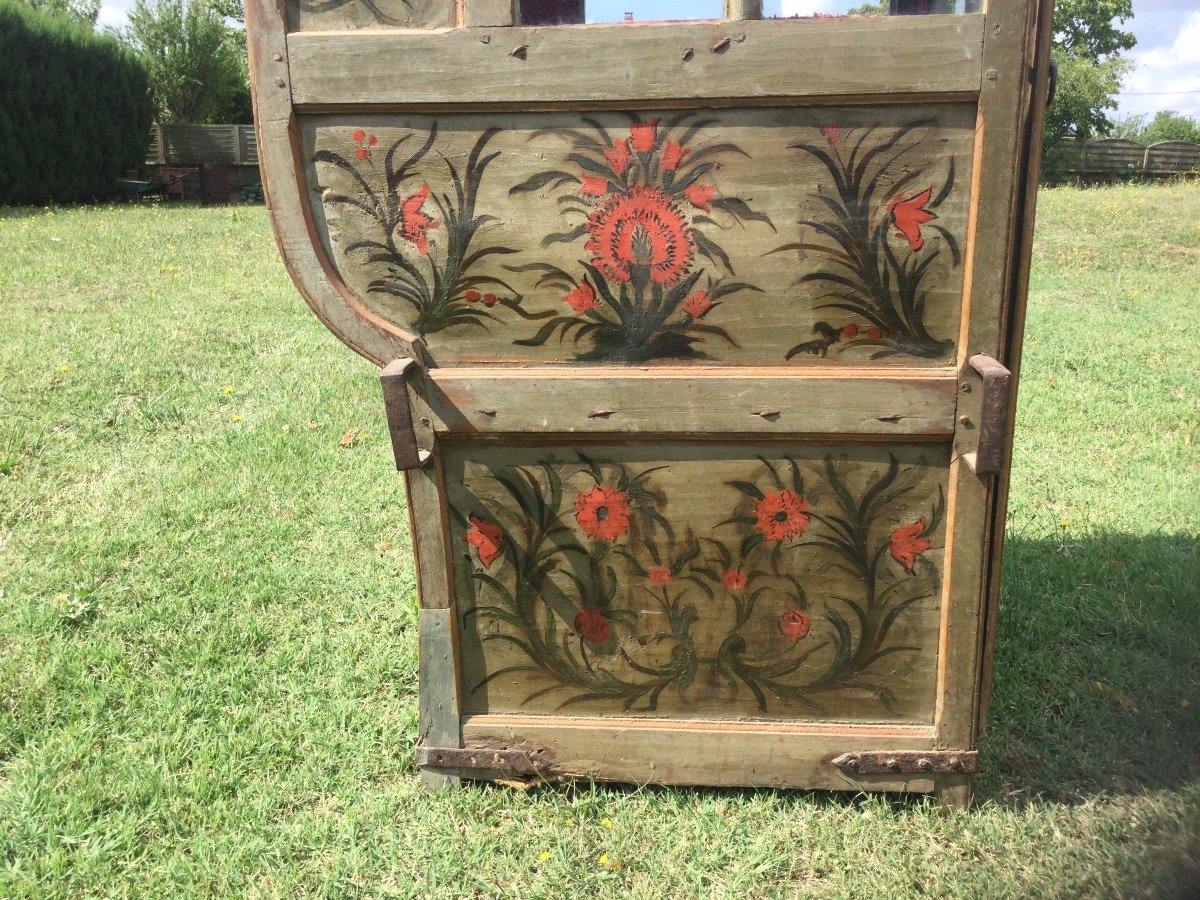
(791, 599)
(730, 236)
(644, 203)
(877, 243)
(444, 285)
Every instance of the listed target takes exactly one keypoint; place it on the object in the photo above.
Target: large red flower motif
(644, 135)
(673, 155)
(581, 299)
(592, 626)
(486, 538)
(602, 512)
(700, 196)
(618, 157)
(906, 542)
(735, 579)
(782, 516)
(413, 222)
(907, 214)
(641, 228)
(794, 624)
(832, 133)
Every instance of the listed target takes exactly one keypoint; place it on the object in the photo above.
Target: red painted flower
(486, 538)
(660, 575)
(907, 541)
(794, 624)
(602, 512)
(850, 330)
(673, 155)
(359, 136)
(372, 140)
(832, 133)
(907, 214)
(700, 196)
(581, 299)
(644, 135)
(782, 516)
(362, 152)
(592, 626)
(489, 300)
(874, 333)
(697, 304)
(735, 579)
(413, 223)
(618, 157)
(472, 296)
(593, 186)
(641, 228)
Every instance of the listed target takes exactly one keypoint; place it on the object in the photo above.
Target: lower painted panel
(679, 581)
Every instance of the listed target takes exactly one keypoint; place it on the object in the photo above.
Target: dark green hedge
(75, 109)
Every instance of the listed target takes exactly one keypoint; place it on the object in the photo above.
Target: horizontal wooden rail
(825, 58)
(670, 752)
(712, 401)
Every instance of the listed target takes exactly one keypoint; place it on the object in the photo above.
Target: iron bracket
(909, 762)
(995, 395)
(511, 761)
(394, 381)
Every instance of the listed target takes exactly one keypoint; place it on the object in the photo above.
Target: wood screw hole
(688, 54)
(279, 82)
(486, 39)
(768, 413)
(521, 52)
(487, 412)
(600, 413)
(720, 46)
(278, 57)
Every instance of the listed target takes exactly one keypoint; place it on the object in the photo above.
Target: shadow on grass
(1097, 668)
(1097, 686)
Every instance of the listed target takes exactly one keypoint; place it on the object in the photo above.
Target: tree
(1169, 125)
(197, 68)
(1087, 48)
(84, 12)
(870, 8)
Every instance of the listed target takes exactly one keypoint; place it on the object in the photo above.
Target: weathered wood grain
(726, 754)
(439, 710)
(309, 15)
(673, 401)
(807, 58)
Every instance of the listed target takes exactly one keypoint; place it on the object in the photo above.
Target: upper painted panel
(773, 236)
(321, 15)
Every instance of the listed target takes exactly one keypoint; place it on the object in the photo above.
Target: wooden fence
(1118, 158)
(191, 145)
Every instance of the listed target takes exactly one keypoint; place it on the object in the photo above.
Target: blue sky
(1167, 54)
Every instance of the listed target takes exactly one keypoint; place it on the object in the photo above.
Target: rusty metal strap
(515, 762)
(916, 762)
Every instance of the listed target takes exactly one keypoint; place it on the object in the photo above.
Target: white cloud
(808, 7)
(1167, 77)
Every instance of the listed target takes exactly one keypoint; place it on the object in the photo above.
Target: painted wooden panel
(813, 58)
(785, 582)
(777, 236)
(322, 15)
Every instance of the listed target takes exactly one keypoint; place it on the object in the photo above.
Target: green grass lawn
(207, 641)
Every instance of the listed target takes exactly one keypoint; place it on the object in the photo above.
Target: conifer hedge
(75, 109)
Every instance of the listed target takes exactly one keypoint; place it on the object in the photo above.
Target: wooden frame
(474, 412)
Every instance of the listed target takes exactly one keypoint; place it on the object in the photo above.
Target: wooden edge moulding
(699, 345)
